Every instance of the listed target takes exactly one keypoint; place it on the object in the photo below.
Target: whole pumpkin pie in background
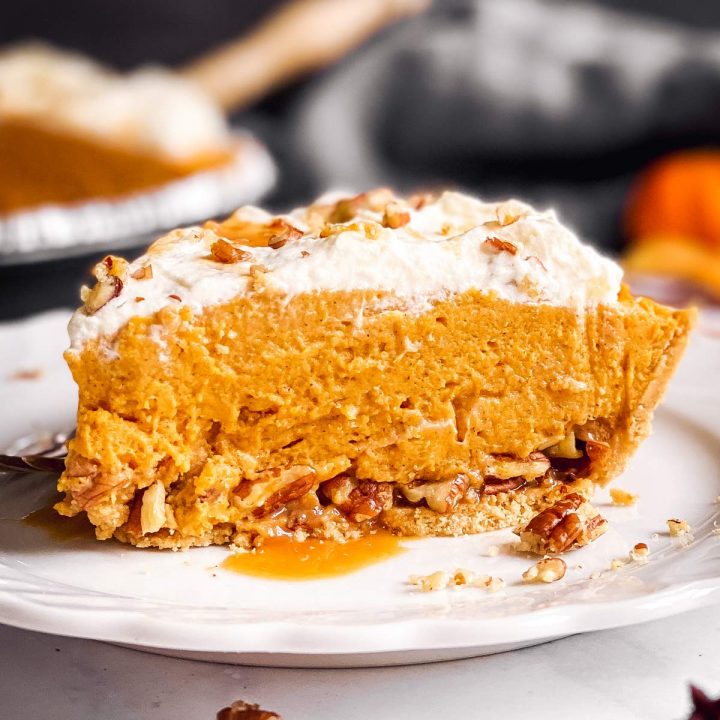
(429, 366)
(72, 130)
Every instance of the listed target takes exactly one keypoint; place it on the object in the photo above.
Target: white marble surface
(633, 673)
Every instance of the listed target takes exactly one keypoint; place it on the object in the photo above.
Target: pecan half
(296, 482)
(442, 496)
(358, 500)
(570, 522)
(493, 485)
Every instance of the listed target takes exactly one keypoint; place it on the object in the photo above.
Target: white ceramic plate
(182, 604)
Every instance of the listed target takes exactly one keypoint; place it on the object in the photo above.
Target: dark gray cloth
(560, 103)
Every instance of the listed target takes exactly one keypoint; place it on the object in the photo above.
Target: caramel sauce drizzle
(284, 558)
(59, 527)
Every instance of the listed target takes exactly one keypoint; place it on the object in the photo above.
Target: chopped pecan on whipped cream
(273, 232)
(143, 273)
(227, 253)
(570, 523)
(419, 200)
(110, 274)
(497, 245)
(346, 209)
(283, 233)
(509, 212)
(370, 230)
(395, 215)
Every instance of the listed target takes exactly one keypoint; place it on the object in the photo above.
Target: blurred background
(607, 110)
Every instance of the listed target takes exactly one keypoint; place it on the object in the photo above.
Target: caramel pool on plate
(283, 558)
(58, 527)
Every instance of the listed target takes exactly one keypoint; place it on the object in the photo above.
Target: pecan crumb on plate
(440, 580)
(547, 570)
(678, 527)
(622, 498)
(640, 553)
(26, 374)
(240, 710)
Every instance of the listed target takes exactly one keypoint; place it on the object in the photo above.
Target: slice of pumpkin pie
(429, 366)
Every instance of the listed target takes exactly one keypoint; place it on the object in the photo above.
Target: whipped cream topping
(149, 109)
(451, 244)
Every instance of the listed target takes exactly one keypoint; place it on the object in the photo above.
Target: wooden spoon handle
(302, 36)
